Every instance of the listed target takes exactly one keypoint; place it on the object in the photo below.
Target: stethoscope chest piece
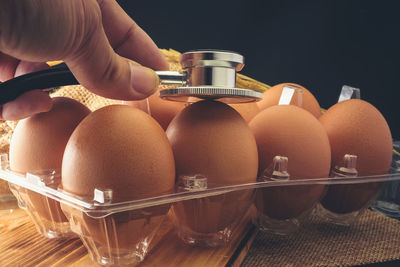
(207, 74)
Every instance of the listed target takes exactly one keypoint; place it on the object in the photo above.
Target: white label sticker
(286, 96)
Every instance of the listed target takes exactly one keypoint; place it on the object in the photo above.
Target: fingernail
(144, 80)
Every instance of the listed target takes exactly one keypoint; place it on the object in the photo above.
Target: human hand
(98, 41)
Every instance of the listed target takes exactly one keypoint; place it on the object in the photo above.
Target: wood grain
(21, 245)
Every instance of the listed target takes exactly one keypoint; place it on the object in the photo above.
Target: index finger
(128, 39)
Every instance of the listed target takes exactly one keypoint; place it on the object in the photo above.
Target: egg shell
(272, 95)
(356, 127)
(38, 144)
(163, 111)
(247, 110)
(119, 148)
(122, 149)
(287, 130)
(212, 139)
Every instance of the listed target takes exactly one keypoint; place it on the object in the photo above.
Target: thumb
(98, 68)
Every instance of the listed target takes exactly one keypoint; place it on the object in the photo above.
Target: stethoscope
(206, 74)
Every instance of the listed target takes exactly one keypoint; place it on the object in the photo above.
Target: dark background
(319, 44)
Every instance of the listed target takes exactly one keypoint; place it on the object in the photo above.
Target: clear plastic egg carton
(203, 215)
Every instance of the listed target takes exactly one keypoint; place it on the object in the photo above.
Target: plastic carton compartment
(120, 233)
(121, 238)
(45, 212)
(388, 200)
(209, 221)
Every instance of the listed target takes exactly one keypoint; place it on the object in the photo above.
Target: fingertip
(159, 61)
(128, 39)
(28, 104)
(144, 80)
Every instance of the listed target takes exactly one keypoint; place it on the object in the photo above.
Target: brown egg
(247, 110)
(211, 139)
(286, 130)
(272, 95)
(163, 111)
(38, 144)
(356, 127)
(122, 149)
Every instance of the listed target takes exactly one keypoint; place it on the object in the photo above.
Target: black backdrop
(318, 44)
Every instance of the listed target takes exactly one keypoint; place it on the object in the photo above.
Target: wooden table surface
(21, 245)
